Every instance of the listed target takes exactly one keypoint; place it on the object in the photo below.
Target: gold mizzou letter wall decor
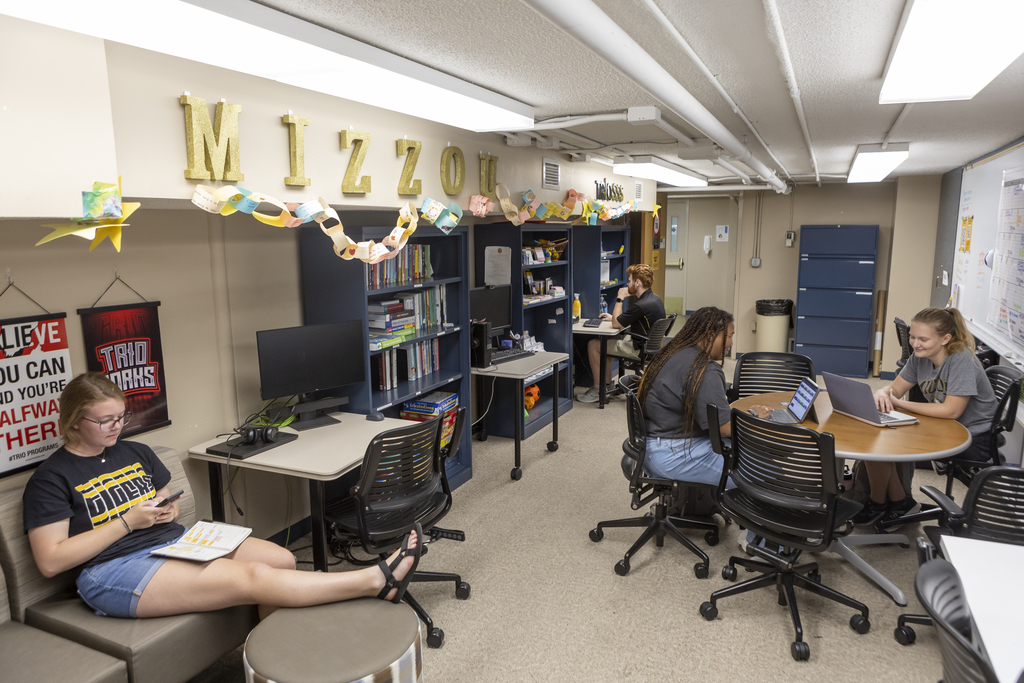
(297, 148)
(406, 185)
(212, 150)
(351, 184)
(446, 171)
(488, 175)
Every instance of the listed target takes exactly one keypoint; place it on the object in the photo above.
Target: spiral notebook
(205, 541)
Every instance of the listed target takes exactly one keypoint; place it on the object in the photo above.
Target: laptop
(802, 403)
(855, 399)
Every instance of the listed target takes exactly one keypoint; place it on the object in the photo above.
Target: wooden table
(605, 331)
(318, 455)
(931, 438)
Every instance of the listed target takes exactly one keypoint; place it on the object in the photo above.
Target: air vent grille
(638, 190)
(551, 175)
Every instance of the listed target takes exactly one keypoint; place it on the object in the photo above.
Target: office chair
(786, 493)
(403, 481)
(764, 372)
(651, 344)
(645, 488)
(993, 510)
(903, 336)
(941, 593)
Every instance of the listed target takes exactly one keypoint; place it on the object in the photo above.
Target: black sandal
(389, 578)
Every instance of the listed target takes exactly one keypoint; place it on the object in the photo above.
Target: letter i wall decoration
(123, 342)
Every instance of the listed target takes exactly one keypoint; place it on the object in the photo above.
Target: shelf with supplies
(591, 268)
(428, 277)
(549, 321)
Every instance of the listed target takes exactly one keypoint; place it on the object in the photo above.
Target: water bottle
(604, 306)
(576, 306)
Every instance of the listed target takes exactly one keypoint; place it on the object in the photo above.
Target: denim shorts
(669, 458)
(113, 588)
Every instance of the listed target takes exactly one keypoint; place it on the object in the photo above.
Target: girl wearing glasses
(91, 507)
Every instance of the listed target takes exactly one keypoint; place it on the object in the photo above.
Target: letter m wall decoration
(123, 342)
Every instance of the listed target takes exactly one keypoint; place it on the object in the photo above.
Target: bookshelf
(333, 289)
(549, 320)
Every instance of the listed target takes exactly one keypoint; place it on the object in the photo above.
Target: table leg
(602, 397)
(216, 492)
(517, 471)
(553, 444)
(841, 547)
(317, 499)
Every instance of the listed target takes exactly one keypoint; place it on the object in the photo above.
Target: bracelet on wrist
(127, 528)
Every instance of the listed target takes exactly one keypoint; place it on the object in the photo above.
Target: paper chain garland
(104, 215)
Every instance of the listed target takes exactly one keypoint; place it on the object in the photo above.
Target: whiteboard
(988, 264)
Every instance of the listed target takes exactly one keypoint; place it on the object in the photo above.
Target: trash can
(773, 324)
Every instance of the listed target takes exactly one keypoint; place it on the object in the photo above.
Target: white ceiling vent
(638, 190)
(551, 174)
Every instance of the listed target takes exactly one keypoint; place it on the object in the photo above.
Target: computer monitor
(493, 304)
(308, 359)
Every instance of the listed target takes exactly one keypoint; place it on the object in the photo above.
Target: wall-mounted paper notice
(497, 266)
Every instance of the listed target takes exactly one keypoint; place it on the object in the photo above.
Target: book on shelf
(433, 404)
(379, 307)
(411, 264)
(205, 541)
(447, 422)
(387, 317)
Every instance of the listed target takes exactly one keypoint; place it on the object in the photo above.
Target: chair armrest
(635, 336)
(951, 510)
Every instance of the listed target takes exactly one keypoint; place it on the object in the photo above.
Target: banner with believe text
(123, 342)
(34, 368)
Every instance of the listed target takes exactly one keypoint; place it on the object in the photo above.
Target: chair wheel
(622, 567)
(860, 623)
(801, 651)
(729, 572)
(709, 611)
(904, 545)
(462, 592)
(711, 538)
(904, 635)
(552, 446)
(436, 638)
(517, 474)
(814, 576)
(596, 535)
(700, 570)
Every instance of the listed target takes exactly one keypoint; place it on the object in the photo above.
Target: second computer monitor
(493, 304)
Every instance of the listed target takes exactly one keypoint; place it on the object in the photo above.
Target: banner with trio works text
(34, 369)
(123, 342)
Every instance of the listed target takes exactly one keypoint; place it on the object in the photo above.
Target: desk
(604, 331)
(929, 439)
(519, 370)
(995, 595)
(319, 455)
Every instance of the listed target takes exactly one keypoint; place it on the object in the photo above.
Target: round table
(929, 439)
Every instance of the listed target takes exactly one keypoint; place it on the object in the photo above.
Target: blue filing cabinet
(835, 300)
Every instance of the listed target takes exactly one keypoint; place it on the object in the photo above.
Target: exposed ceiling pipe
(585, 21)
(716, 188)
(782, 51)
(660, 16)
(897, 122)
(568, 121)
(732, 169)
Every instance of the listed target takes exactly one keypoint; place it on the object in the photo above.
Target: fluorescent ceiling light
(951, 49)
(249, 38)
(872, 163)
(654, 168)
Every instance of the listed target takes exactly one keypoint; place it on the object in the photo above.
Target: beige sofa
(161, 650)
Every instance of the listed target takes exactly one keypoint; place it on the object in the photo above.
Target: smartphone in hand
(170, 499)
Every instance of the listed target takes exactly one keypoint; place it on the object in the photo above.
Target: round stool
(343, 642)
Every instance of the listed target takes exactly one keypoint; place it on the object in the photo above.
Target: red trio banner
(123, 342)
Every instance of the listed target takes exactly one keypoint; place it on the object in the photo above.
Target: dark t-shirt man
(641, 314)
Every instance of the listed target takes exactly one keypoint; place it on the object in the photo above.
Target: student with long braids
(675, 391)
(955, 387)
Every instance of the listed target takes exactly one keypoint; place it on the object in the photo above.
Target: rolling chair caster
(800, 650)
(517, 473)
(462, 592)
(552, 446)
(435, 639)
(622, 567)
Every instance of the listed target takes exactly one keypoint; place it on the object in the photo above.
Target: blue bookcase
(333, 290)
(592, 244)
(836, 297)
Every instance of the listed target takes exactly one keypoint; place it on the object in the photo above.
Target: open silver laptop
(798, 407)
(855, 399)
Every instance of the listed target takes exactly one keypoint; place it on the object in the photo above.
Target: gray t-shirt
(960, 374)
(663, 407)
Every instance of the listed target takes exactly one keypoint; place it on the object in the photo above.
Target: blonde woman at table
(954, 386)
(91, 508)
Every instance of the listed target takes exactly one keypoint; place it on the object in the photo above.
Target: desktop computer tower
(480, 352)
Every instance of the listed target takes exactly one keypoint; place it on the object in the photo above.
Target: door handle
(679, 264)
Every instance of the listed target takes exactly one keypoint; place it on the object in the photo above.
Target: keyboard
(886, 417)
(593, 322)
(506, 355)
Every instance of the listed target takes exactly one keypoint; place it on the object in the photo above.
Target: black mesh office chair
(903, 336)
(402, 482)
(941, 593)
(764, 372)
(650, 345)
(993, 510)
(645, 488)
(786, 493)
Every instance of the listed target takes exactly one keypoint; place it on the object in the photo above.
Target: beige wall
(910, 270)
(710, 278)
(863, 203)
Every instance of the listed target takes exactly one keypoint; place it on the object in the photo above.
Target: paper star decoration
(92, 228)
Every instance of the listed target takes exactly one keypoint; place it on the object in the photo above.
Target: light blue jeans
(669, 458)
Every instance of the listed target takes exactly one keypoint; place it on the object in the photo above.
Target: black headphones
(249, 435)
